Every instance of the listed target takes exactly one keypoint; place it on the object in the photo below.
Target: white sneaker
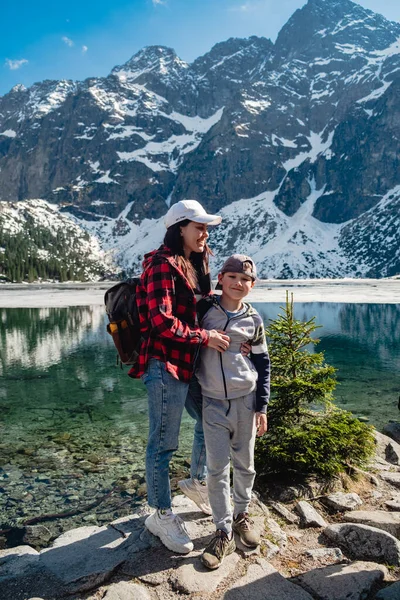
(198, 492)
(171, 530)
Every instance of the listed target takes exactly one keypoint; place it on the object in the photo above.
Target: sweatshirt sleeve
(260, 359)
(160, 289)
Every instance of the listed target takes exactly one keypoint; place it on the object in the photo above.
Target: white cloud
(157, 2)
(67, 41)
(250, 6)
(16, 64)
(84, 49)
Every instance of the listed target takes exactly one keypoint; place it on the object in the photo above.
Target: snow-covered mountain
(296, 143)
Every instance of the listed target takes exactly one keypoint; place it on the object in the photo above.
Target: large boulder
(15, 562)
(392, 592)
(393, 431)
(336, 582)
(365, 543)
(263, 582)
(381, 519)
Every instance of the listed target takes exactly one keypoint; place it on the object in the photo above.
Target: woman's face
(194, 237)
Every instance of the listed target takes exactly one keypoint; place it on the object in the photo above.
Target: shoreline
(346, 291)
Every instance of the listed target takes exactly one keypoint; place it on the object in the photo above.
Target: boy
(235, 396)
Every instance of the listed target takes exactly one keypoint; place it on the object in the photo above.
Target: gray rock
(192, 577)
(336, 582)
(263, 582)
(381, 519)
(379, 464)
(393, 504)
(392, 592)
(308, 515)
(329, 553)
(365, 542)
(285, 513)
(393, 452)
(393, 478)
(36, 535)
(257, 508)
(126, 591)
(387, 449)
(277, 534)
(18, 561)
(269, 549)
(340, 501)
(85, 557)
(393, 431)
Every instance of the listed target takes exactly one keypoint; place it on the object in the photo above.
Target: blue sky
(43, 39)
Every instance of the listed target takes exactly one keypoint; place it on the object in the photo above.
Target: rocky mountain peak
(159, 60)
(335, 22)
(235, 54)
(18, 88)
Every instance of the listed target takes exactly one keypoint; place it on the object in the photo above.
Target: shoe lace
(244, 521)
(218, 543)
(179, 525)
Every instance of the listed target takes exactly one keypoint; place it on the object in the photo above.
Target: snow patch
(9, 133)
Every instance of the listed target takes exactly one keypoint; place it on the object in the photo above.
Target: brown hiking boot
(243, 526)
(219, 547)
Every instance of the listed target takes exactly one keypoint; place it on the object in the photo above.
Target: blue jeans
(167, 398)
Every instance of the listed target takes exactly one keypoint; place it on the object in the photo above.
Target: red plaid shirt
(168, 321)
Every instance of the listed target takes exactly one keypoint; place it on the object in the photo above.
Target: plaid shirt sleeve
(160, 288)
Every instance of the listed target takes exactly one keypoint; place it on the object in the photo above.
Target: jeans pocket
(144, 377)
(155, 371)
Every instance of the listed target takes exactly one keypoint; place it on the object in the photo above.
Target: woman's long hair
(197, 266)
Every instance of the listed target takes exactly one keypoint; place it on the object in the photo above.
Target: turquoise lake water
(73, 425)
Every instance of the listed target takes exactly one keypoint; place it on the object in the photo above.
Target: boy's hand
(261, 424)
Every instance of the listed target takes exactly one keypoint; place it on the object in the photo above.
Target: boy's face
(235, 285)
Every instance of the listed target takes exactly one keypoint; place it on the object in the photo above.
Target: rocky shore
(334, 542)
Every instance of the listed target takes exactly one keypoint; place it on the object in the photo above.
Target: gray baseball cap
(238, 263)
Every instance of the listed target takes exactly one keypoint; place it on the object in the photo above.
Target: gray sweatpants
(229, 432)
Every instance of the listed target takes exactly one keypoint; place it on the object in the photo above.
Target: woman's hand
(245, 348)
(218, 340)
(261, 424)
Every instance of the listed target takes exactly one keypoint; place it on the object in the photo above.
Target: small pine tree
(307, 432)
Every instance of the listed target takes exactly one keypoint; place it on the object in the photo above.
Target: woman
(172, 277)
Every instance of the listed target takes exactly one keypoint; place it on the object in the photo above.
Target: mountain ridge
(310, 122)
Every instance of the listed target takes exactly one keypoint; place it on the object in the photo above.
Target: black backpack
(123, 316)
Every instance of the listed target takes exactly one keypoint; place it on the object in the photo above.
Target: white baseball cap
(192, 210)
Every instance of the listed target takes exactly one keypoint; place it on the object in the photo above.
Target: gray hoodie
(229, 374)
